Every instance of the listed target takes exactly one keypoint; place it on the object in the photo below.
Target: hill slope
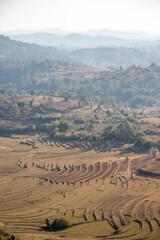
(18, 50)
(122, 56)
(101, 57)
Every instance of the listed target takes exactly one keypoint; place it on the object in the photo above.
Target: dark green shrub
(48, 224)
(144, 143)
(59, 224)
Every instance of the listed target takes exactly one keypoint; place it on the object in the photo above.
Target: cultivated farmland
(99, 193)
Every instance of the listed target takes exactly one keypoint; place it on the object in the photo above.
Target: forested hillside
(103, 57)
(97, 57)
(131, 86)
(16, 50)
(28, 67)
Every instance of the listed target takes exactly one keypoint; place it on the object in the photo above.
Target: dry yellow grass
(99, 206)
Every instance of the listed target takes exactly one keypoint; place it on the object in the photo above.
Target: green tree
(90, 128)
(142, 142)
(107, 132)
(65, 125)
(126, 132)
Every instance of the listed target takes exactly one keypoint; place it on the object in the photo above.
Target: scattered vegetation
(125, 132)
(4, 235)
(57, 224)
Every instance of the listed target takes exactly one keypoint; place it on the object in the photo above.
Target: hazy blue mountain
(73, 40)
(21, 31)
(78, 40)
(124, 34)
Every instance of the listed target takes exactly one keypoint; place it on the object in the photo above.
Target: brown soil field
(98, 191)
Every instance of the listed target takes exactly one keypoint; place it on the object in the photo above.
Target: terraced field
(96, 191)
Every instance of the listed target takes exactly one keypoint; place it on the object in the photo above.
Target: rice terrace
(102, 189)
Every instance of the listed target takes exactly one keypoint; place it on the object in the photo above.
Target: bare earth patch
(5, 149)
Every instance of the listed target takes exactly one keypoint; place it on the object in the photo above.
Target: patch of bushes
(144, 143)
(4, 234)
(141, 172)
(57, 224)
(61, 125)
(12, 237)
(79, 120)
(151, 131)
(125, 132)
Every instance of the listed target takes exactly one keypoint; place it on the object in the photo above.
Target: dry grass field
(98, 191)
(94, 185)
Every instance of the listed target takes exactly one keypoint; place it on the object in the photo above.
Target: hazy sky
(80, 15)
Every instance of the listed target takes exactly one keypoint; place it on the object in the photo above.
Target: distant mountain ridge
(21, 31)
(125, 34)
(73, 40)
